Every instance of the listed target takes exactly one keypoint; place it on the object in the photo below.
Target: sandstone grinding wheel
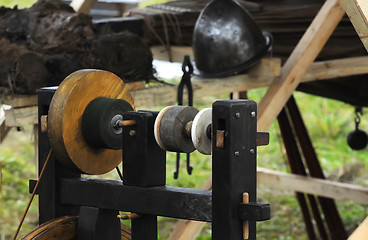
(64, 228)
(172, 128)
(65, 120)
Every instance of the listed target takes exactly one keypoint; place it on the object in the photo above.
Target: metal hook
(358, 113)
(187, 69)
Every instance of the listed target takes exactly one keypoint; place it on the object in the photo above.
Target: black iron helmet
(226, 40)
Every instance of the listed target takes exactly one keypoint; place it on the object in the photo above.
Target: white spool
(199, 131)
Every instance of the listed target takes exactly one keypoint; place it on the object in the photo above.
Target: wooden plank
(185, 229)
(336, 68)
(4, 130)
(361, 232)
(357, 11)
(259, 76)
(300, 59)
(83, 6)
(315, 186)
(20, 100)
(171, 54)
(15, 117)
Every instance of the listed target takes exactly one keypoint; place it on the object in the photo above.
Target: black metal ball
(357, 139)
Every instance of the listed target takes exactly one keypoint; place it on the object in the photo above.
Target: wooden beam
(185, 229)
(336, 68)
(4, 130)
(82, 6)
(17, 101)
(176, 53)
(357, 11)
(15, 117)
(259, 76)
(361, 232)
(300, 59)
(315, 186)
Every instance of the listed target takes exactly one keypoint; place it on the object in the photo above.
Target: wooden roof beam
(357, 11)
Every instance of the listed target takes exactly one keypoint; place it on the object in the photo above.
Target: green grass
(20, 3)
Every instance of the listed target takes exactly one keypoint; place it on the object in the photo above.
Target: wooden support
(17, 101)
(259, 76)
(15, 117)
(302, 56)
(176, 53)
(315, 186)
(361, 232)
(330, 69)
(83, 6)
(185, 229)
(4, 129)
(357, 11)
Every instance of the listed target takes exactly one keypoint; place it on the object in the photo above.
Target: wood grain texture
(65, 119)
(17, 101)
(357, 11)
(259, 76)
(64, 228)
(315, 186)
(15, 117)
(361, 232)
(301, 58)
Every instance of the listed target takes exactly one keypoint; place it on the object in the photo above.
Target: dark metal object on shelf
(226, 40)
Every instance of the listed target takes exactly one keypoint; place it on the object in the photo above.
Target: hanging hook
(187, 69)
(357, 139)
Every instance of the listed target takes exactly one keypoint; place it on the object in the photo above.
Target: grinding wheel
(201, 131)
(170, 128)
(65, 120)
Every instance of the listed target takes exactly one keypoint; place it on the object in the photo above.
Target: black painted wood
(175, 202)
(233, 166)
(258, 211)
(144, 165)
(98, 224)
(49, 205)
(144, 162)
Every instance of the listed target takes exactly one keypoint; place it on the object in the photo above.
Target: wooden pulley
(64, 228)
(173, 128)
(201, 131)
(83, 88)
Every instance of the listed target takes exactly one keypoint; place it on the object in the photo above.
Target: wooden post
(300, 59)
(357, 11)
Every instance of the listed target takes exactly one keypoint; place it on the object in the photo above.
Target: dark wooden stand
(143, 190)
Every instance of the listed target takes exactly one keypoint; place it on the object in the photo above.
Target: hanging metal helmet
(226, 40)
